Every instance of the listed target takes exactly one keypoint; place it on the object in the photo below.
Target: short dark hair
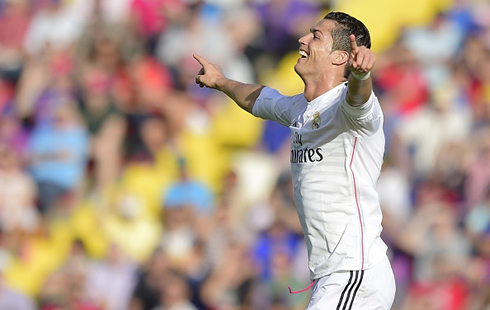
(345, 25)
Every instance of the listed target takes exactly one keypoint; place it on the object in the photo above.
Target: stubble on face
(318, 47)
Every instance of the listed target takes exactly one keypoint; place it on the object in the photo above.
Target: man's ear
(340, 57)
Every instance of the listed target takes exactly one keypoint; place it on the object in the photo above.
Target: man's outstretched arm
(243, 94)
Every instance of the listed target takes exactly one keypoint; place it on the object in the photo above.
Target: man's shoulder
(298, 98)
(269, 91)
(271, 94)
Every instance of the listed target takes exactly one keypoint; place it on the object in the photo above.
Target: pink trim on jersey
(357, 202)
(302, 290)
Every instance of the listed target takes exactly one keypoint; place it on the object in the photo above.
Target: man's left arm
(360, 85)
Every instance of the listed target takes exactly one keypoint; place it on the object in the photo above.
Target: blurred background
(123, 185)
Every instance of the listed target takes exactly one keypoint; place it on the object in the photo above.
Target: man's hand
(362, 59)
(360, 64)
(209, 75)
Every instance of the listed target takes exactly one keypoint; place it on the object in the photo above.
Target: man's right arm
(243, 94)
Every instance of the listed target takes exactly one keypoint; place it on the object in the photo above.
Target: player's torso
(321, 146)
(334, 170)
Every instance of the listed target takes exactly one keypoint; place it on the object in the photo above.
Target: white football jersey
(336, 157)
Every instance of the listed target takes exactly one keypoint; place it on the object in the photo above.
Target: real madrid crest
(316, 121)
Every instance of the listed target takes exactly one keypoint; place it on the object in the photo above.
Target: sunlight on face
(315, 49)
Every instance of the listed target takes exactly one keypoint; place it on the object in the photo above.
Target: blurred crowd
(123, 185)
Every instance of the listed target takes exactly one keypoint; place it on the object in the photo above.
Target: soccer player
(337, 146)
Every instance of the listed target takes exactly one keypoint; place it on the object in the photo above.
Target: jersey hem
(371, 265)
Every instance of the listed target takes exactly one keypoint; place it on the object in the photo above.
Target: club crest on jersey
(316, 121)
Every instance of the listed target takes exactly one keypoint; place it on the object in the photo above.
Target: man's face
(315, 49)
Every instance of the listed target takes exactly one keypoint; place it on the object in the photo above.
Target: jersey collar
(323, 98)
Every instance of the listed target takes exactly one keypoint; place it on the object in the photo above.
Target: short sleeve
(367, 117)
(271, 105)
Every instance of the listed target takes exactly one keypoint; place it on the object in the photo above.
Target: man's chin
(297, 69)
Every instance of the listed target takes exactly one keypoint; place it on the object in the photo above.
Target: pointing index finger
(200, 60)
(353, 44)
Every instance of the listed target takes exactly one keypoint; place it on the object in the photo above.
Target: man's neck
(317, 87)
